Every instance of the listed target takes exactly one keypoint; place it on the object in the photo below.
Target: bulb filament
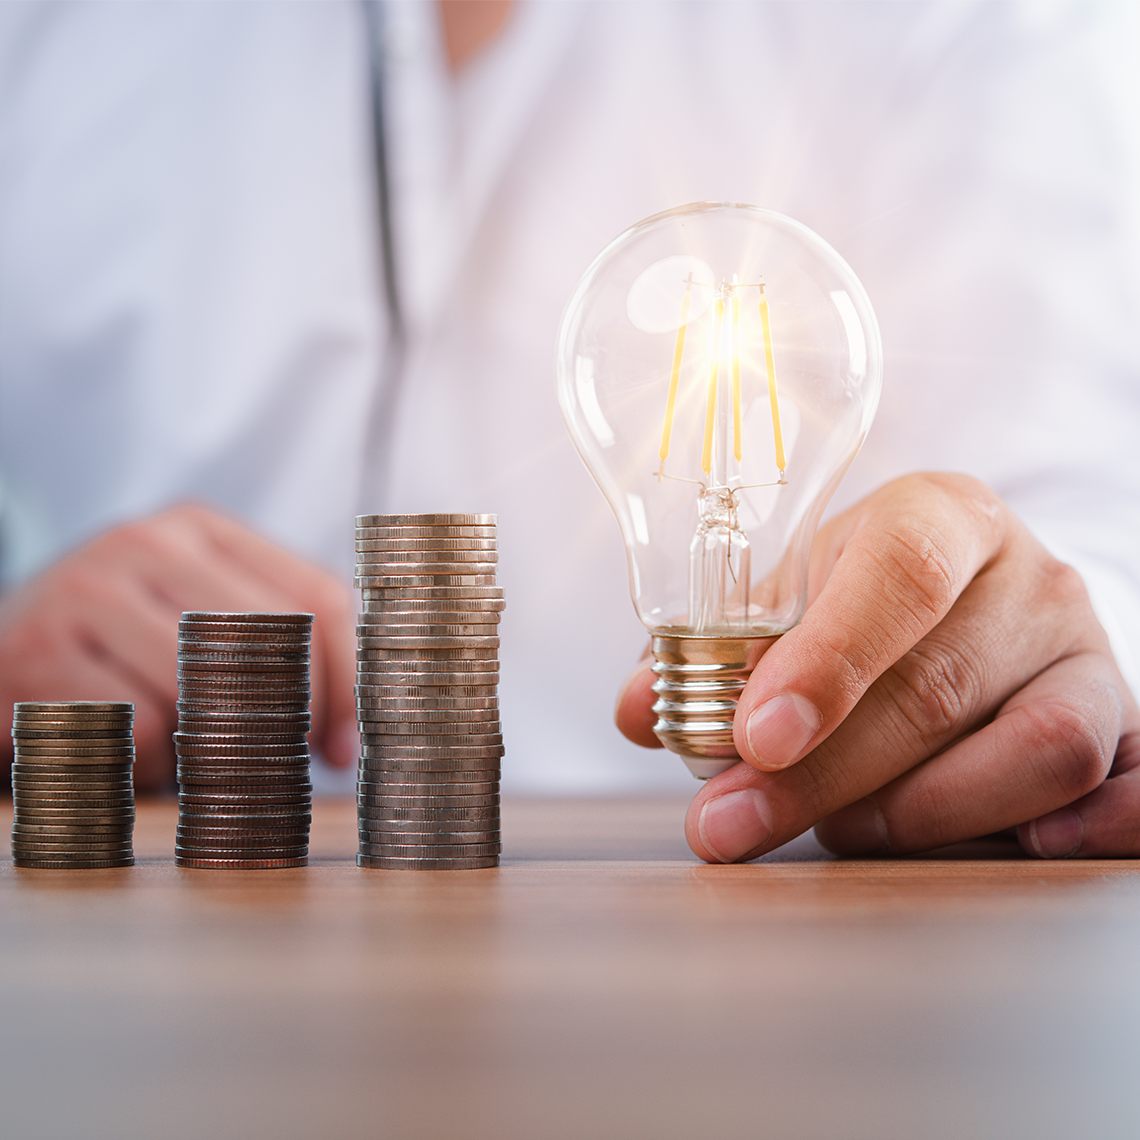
(720, 553)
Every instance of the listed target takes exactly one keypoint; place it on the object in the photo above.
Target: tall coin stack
(427, 691)
(72, 786)
(244, 796)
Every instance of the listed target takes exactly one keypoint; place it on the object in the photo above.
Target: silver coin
(385, 797)
(34, 864)
(50, 777)
(218, 773)
(438, 561)
(65, 762)
(66, 830)
(477, 630)
(262, 661)
(121, 708)
(476, 719)
(372, 820)
(397, 782)
(252, 732)
(121, 818)
(412, 533)
(69, 737)
(438, 850)
(252, 757)
(432, 815)
(272, 674)
(373, 842)
(472, 580)
(259, 618)
(36, 718)
(278, 730)
(487, 766)
(116, 845)
(204, 801)
(28, 799)
(273, 700)
(366, 658)
(373, 570)
(452, 610)
(431, 593)
(244, 724)
(243, 814)
(295, 638)
(242, 651)
(380, 757)
(429, 671)
(484, 703)
(246, 687)
(429, 544)
(26, 807)
(433, 734)
(193, 745)
(294, 841)
(210, 824)
(425, 696)
(416, 864)
(427, 803)
(426, 520)
(229, 859)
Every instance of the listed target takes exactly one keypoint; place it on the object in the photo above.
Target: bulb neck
(699, 681)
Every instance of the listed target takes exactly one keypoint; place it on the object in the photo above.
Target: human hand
(949, 680)
(102, 624)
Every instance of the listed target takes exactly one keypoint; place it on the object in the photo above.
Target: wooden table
(602, 983)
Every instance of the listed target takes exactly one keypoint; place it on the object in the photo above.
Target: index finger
(900, 561)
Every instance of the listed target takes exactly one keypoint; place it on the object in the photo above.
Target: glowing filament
(714, 371)
(670, 406)
(770, 366)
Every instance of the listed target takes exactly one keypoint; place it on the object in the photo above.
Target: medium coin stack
(244, 796)
(427, 691)
(72, 786)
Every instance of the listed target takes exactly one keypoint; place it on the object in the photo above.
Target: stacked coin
(72, 784)
(244, 796)
(427, 691)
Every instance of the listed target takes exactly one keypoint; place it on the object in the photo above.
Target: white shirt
(190, 299)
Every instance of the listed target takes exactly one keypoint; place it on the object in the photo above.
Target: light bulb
(718, 368)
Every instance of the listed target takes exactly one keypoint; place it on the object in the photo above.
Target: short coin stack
(427, 691)
(72, 786)
(244, 796)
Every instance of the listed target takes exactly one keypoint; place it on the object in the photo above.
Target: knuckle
(936, 688)
(919, 571)
(1063, 587)
(1071, 753)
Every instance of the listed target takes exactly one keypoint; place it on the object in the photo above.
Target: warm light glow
(770, 366)
(714, 372)
(678, 352)
(737, 449)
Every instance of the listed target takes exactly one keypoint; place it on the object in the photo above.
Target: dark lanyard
(386, 393)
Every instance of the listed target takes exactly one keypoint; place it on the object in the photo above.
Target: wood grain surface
(601, 983)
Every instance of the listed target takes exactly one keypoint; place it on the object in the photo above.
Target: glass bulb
(718, 368)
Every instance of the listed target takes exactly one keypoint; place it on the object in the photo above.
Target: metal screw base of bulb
(699, 681)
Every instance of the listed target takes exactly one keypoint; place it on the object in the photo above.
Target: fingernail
(733, 824)
(858, 829)
(779, 730)
(1058, 835)
(343, 745)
